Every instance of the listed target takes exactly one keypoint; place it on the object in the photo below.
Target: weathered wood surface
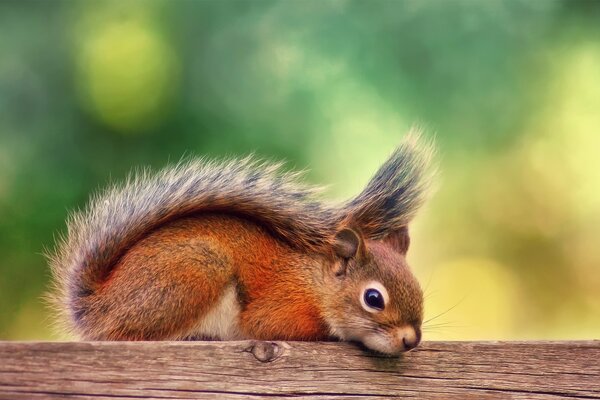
(221, 370)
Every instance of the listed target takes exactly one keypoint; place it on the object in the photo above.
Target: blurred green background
(507, 248)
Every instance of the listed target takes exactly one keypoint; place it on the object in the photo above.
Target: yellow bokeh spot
(576, 118)
(469, 299)
(128, 74)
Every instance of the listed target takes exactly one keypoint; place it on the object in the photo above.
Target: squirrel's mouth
(394, 341)
(389, 341)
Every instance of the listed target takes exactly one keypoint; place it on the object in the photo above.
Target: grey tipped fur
(117, 218)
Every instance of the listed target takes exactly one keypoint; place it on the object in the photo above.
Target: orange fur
(175, 274)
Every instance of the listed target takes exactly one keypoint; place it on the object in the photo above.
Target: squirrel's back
(122, 215)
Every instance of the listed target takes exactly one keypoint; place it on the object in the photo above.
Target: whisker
(439, 324)
(428, 295)
(442, 327)
(445, 312)
(428, 282)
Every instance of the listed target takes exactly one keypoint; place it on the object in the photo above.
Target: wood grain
(246, 369)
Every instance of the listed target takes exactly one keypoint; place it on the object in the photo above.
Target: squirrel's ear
(399, 240)
(347, 243)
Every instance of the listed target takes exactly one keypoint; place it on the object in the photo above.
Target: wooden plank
(246, 369)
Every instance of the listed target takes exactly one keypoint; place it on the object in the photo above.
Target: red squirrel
(239, 250)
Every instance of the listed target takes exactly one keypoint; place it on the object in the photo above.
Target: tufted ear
(348, 245)
(399, 240)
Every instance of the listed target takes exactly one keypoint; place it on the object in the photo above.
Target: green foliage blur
(508, 248)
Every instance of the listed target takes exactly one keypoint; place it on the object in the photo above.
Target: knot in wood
(265, 351)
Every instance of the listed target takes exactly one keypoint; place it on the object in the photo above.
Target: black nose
(412, 341)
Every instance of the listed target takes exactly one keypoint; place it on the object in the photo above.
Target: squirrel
(234, 250)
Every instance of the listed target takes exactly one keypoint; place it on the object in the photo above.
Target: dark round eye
(374, 299)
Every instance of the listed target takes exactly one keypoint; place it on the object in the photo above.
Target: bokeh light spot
(128, 75)
(470, 299)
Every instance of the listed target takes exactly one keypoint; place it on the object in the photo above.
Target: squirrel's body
(209, 261)
(237, 251)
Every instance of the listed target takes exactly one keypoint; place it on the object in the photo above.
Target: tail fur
(119, 217)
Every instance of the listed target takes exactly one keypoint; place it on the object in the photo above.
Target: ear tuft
(395, 193)
(347, 243)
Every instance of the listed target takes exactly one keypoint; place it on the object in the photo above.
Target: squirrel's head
(376, 299)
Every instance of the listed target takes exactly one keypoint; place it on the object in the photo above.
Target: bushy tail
(397, 190)
(120, 216)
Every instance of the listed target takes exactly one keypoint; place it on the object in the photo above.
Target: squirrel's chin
(381, 343)
(378, 342)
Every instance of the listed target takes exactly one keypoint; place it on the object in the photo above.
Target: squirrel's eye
(374, 299)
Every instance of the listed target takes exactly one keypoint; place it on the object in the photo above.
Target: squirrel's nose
(411, 337)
